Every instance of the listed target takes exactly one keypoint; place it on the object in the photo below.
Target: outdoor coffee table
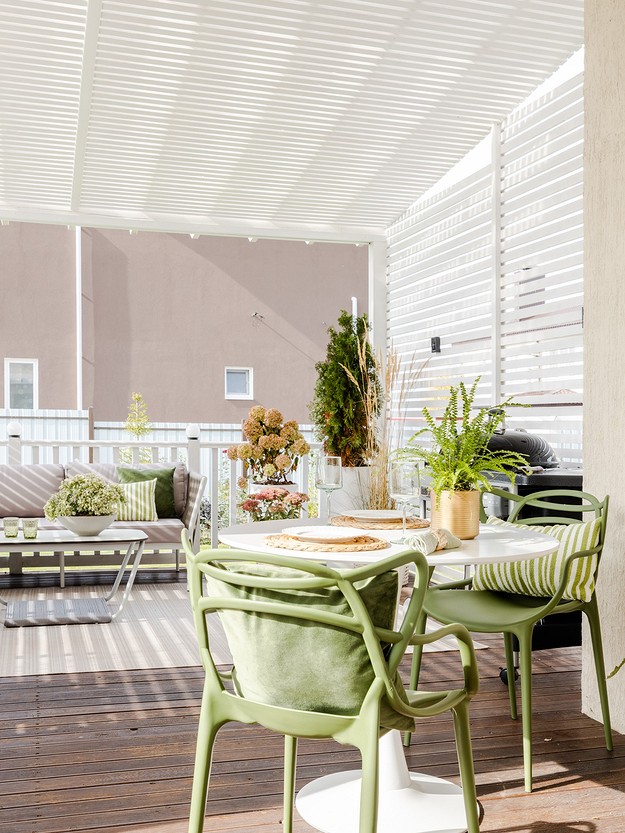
(67, 611)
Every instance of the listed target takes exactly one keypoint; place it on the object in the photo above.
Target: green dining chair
(316, 655)
(510, 598)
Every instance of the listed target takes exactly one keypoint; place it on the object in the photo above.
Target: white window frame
(7, 380)
(250, 386)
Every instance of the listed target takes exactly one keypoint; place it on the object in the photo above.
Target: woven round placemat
(366, 523)
(360, 543)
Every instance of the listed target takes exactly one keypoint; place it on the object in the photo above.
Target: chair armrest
(451, 585)
(465, 646)
(191, 514)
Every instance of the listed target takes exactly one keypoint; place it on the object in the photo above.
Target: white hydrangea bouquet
(84, 494)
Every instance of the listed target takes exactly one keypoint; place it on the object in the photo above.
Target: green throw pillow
(305, 665)
(165, 506)
(140, 504)
(541, 576)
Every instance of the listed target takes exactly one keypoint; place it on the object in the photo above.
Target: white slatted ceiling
(441, 276)
(542, 265)
(273, 111)
(440, 267)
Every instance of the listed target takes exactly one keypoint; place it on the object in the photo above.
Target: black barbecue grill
(536, 450)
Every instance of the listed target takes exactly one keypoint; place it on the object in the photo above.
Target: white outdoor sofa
(25, 488)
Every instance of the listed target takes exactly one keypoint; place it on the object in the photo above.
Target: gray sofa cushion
(25, 489)
(106, 470)
(109, 472)
(165, 531)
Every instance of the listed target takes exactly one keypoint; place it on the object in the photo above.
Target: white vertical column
(496, 260)
(377, 296)
(78, 318)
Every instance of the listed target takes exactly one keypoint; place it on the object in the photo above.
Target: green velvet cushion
(305, 665)
(541, 576)
(165, 506)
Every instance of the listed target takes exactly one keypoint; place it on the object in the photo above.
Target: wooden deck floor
(113, 752)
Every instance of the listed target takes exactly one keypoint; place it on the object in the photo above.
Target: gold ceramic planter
(459, 512)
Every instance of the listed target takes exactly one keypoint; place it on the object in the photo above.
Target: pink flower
(233, 452)
(296, 498)
(249, 505)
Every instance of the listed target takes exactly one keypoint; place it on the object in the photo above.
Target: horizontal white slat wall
(441, 276)
(542, 265)
(440, 285)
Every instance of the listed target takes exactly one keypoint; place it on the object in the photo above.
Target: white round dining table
(409, 802)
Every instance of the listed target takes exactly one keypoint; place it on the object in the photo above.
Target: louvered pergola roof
(289, 118)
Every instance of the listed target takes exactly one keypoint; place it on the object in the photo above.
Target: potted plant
(85, 504)
(345, 406)
(273, 447)
(274, 503)
(338, 410)
(459, 461)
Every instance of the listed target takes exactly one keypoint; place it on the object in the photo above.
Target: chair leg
(207, 730)
(510, 670)
(592, 612)
(465, 760)
(369, 784)
(525, 659)
(415, 668)
(290, 763)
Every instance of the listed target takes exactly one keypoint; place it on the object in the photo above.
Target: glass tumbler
(11, 527)
(30, 527)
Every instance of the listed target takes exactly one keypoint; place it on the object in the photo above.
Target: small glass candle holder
(11, 527)
(30, 527)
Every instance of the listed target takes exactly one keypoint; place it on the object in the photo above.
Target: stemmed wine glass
(328, 477)
(405, 486)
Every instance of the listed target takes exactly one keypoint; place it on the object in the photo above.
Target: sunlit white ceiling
(235, 116)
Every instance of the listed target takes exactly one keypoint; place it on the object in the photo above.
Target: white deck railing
(206, 457)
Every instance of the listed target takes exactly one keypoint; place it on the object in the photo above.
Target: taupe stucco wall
(37, 307)
(164, 314)
(604, 342)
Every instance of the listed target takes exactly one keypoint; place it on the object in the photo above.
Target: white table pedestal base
(409, 802)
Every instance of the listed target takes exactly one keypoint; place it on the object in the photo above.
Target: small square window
(239, 383)
(21, 383)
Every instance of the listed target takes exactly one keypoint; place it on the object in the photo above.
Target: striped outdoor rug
(155, 631)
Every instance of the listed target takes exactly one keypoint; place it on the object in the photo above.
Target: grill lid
(535, 449)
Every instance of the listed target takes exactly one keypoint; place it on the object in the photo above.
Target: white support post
(232, 493)
(193, 447)
(14, 434)
(79, 349)
(377, 297)
(214, 496)
(496, 261)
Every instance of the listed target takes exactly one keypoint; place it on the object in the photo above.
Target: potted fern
(459, 461)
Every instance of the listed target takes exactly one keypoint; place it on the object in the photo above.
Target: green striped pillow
(540, 576)
(140, 502)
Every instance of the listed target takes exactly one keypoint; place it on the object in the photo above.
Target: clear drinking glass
(405, 488)
(29, 527)
(11, 527)
(328, 477)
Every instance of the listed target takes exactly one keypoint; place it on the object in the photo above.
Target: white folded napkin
(430, 540)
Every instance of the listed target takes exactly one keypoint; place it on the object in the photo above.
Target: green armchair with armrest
(316, 655)
(511, 598)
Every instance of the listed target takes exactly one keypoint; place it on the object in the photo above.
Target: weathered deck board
(113, 752)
